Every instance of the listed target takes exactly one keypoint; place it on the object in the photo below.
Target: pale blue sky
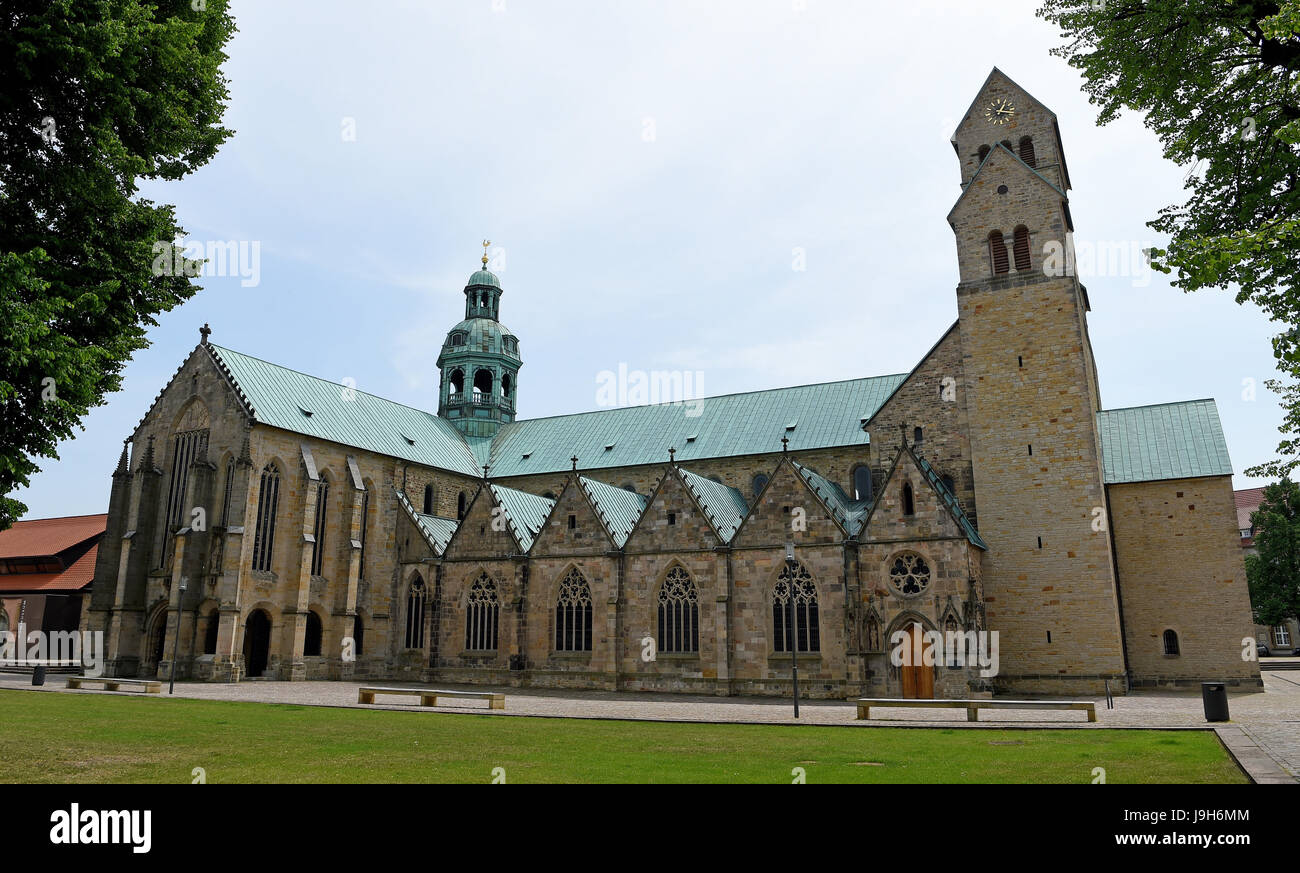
(777, 124)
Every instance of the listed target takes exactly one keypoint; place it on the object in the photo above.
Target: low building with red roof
(46, 567)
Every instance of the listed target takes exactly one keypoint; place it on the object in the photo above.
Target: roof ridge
(327, 381)
(1165, 403)
(713, 397)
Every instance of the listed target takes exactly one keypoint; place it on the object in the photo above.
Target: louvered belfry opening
(1021, 246)
(998, 253)
(1027, 151)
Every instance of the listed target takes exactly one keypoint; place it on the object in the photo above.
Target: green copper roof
(525, 513)
(849, 513)
(484, 277)
(618, 508)
(1166, 441)
(724, 505)
(293, 401)
(823, 415)
(950, 500)
(436, 530)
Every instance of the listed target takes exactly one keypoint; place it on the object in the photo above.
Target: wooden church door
(918, 679)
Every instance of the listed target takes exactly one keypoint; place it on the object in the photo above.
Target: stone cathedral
(266, 524)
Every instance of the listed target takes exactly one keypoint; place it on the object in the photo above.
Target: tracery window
(679, 613)
(481, 614)
(794, 594)
(910, 574)
(415, 599)
(268, 501)
(573, 614)
(318, 548)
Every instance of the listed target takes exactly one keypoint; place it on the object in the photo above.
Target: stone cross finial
(485, 472)
(785, 444)
(672, 455)
(574, 460)
(204, 333)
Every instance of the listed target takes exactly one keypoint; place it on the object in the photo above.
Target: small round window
(909, 574)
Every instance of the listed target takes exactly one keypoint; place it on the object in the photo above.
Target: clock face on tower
(999, 111)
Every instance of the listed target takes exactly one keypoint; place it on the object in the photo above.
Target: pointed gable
(787, 499)
(435, 530)
(1003, 111)
(588, 534)
(673, 520)
(499, 522)
(725, 506)
(936, 513)
(618, 509)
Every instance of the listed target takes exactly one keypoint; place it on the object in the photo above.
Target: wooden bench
(147, 686)
(972, 707)
(429, 696)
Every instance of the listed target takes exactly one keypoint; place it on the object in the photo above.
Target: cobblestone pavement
(1270, 718)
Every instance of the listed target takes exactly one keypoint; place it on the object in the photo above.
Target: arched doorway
(918, 677)
(157, 640)
(257, 643)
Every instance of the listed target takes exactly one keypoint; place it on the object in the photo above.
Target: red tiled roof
(1247, 500)
(49, 536)
(74, 578)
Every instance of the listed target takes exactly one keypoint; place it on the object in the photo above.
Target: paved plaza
(1264, 733)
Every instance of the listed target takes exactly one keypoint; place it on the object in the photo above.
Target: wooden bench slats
(973, 707)
(429, 696)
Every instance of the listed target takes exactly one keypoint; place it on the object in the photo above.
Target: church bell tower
(479, 362)
(1032, 401)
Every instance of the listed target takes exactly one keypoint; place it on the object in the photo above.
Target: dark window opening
(1171, 643)
(311, 644)
(573, 522)
(862, 482)
(672, 518)
(1027, 151)
(428, 500)
(909, 504)
(1021, 248)
(460, 506)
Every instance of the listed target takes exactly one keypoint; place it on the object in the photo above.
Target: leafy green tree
(95, 95)
(1218, 81)
(1274, 573)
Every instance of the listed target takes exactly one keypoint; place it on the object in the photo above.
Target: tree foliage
(1274, 573)
(96, 96)
(1216, 80)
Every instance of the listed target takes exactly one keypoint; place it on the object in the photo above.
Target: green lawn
(51, 737)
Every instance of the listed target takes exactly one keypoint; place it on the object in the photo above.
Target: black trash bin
(38, 674)
(1215, 697)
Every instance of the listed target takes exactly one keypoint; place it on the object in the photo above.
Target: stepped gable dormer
(479, 363)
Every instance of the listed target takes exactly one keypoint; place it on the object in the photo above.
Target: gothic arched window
(415, 598)
(1021, 247)
(998, 253)
(759, 483)
(679, 613)
(268, 500)
(794, 605)
(365, 526)
(460, 506)
(573, 614)
(318, 548)
(1171, 643)
(481, 615)
(862, 482)
(1027, 151)
(428, 500)
(909, 501)
(311, 644)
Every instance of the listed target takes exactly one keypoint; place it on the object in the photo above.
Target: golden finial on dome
(486, 243)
